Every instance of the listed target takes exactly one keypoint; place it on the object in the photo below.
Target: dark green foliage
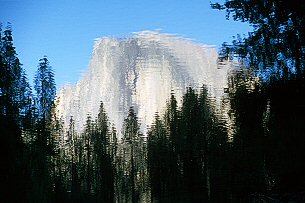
(276, 44)
(159, 161)
(172, 119)
(90, 161)
(285, 136)
(249, 104)
(42, 148)
(267, 145)
(133, 155)
(44, 85)
(178, 157)
(103, 170)
(193, 150)
(14, 105)
(249, 148)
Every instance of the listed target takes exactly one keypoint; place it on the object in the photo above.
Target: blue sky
(65, 30)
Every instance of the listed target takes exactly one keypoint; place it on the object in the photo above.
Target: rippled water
(141, 71)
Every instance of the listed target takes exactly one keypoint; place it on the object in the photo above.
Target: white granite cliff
(140, 71)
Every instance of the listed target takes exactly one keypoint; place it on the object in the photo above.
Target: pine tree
(194, 145)
(131, 140)
(276, 43)
(102, 151)
(158, 161)
(15, 91)
(172, 120)
(248, 103)
(74, 148)
(10, 75)
(14, 101)
(87, 138)
(44, 85)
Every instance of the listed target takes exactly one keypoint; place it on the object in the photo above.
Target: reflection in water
(200, 151)
(241, 142)
(224, 141)
(140, 71)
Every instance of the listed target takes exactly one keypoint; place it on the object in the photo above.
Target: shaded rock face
(141, 71)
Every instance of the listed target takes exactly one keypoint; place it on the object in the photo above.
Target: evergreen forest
(248, 148)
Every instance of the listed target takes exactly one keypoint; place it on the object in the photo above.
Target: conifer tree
(158, 160)
(172, 120)
(193, 147)
(131, 140)
(276, 43)
(87, 165)
(74, 148)
(103, 164)
(14, 103)
(44, 85)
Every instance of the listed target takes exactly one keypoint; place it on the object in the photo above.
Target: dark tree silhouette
(248, 103)
(276, 44)
(131, 137)
(43, 148)
(44, 85)
(270, 152)
(104, 179)
(246, 147)
(158, 161)
(193, 151)
(133, 157)
(14, 105)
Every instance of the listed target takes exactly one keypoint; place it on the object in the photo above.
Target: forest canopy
(276, 44)
(247, 147)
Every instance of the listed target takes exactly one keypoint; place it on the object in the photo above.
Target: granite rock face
(141, 71)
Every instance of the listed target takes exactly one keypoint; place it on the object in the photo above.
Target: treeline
(246, 147)
(25, 126)
(274, 51)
